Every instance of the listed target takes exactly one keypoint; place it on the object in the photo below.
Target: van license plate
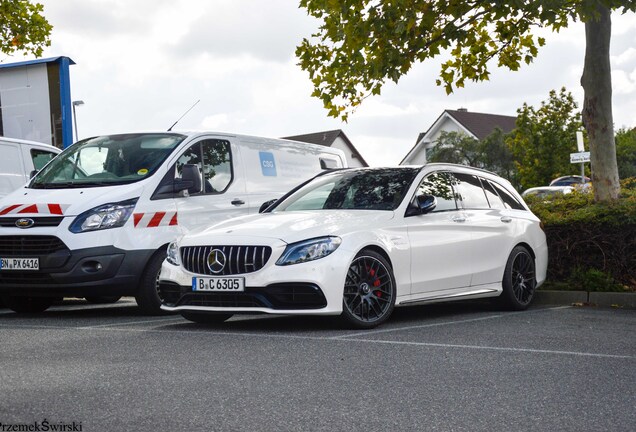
(218, 284)
(19, 264)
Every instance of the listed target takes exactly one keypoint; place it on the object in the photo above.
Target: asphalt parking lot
(452, 367)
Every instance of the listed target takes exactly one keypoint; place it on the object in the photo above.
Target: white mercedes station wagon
(358, 243)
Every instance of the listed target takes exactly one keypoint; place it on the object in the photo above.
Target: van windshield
(107, 160)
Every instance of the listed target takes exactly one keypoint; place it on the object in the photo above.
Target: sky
(140, 64)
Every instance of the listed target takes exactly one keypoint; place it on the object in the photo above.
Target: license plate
(218, 284)
(19, 264)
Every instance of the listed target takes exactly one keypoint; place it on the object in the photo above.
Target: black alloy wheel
(520, 281)
(369, 291)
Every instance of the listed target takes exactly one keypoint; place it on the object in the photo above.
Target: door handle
(459, 219)
(506, 219)
(238, 202)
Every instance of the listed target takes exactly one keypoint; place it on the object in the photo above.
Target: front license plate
(218, 284)
(19, 264)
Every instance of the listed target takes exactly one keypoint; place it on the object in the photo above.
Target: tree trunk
(597, 105)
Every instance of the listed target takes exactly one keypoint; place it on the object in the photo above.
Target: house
(475, 125)
(336, 139)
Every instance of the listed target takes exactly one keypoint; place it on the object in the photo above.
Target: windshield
(366, 189)
(108, 160)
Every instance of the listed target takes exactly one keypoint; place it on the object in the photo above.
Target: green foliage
(580, 207)
(594, 280)
(491, 153)
(626, 152)
(544, 138)
(591, 246)
(23, 28)
(363, 43)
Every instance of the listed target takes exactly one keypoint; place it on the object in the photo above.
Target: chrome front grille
(238, 259)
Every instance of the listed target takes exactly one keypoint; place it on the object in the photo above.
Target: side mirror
(266, 205)
(426, 203)
(190, 179)
(420, 205)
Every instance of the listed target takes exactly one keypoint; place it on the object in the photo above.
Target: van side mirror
(265, 205)
(190, 179)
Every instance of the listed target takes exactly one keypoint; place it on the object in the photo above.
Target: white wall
(24, 94)
(341, 144)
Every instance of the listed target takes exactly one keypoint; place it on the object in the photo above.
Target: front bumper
(312, 288)
(95, 271)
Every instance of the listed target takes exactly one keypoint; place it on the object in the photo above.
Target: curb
(600, 299)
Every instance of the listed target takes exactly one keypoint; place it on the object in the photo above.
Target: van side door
(222, 193)
(11, 168)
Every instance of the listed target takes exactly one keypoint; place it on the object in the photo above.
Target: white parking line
(204, 332)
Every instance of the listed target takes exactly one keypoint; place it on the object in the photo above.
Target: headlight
(103, 217)
(173, 254)
(309, 250)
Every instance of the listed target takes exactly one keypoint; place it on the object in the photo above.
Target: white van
(96, 221)
(18, 159)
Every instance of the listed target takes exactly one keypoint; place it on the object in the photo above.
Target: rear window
(471, 192)
(508, 199)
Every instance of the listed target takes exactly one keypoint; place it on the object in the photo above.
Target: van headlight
(173, 254)
(106, 216)
(309, 250)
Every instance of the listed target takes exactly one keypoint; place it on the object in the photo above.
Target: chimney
(462, 109)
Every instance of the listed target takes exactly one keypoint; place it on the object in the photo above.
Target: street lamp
(76, 103)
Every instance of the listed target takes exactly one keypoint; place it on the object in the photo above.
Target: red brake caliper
(376, 282)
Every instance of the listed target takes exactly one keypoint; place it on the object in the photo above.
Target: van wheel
(519, 280)
(148, 298)
(102, 299)
(21, 304)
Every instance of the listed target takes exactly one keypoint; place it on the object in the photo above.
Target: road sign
(579, 157)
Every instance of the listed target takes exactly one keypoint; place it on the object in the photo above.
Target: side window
(214, 159)
(509, 200)
(440, 185)
(471, 192)
(41, 158)
(491, 194)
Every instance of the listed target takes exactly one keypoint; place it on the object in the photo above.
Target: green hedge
(591, 246)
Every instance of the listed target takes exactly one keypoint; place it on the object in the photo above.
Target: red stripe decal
(9, 209)
(156, 219)
(174, 221)
(33, 208)
(137, 217)
(55, 209)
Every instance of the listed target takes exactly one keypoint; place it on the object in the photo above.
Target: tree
(491, 153)
(543, 139)
(23, 28)
(362, 43)
(626, 152)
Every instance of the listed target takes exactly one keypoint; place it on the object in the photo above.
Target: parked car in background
(359, 242)
(18, 159)
(96, 221)
(570, 180)
(547, 191)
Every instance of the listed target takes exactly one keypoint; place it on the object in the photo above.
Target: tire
(21, 304)
(206, 317)
(369, 292)
(519, 280)
(148, 298)
(102, 299)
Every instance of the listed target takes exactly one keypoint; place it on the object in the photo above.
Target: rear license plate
(218, 284)
(19, 264)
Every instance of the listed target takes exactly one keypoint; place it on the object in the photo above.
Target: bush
(591, 246)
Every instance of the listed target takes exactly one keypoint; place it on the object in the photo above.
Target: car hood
(291, 227)
(66, 202)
